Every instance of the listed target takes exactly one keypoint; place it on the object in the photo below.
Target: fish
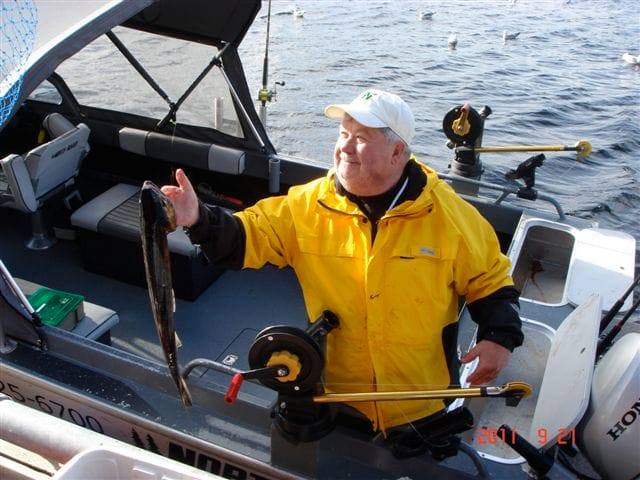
(157, 220)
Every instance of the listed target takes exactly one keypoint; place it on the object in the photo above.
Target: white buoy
(631, 59)
(297, 12)
(509, 36)
(452, 41)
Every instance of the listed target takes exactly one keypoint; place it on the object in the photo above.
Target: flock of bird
(452, 40)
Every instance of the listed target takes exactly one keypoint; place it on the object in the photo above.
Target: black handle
(323, 325)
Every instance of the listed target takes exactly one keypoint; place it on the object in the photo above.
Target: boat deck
(237, 302)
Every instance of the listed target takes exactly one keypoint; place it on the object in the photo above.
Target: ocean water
(562, 80)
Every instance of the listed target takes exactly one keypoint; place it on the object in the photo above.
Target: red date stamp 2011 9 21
(490, 436)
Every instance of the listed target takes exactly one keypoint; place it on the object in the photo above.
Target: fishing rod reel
(269, 95)
(463, 125)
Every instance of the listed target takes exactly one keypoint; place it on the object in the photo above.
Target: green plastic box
(56, 308)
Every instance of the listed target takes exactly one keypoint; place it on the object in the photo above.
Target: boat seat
(29, 181)
(109, 234)
(97, 322)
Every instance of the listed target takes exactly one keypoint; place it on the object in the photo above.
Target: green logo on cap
(368, 95)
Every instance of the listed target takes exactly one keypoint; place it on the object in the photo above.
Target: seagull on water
(425, 15)
(631, 59)
(509, 36)
(452, 41)
(297, 12)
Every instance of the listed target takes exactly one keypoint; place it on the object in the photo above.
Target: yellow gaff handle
(511, 389)
(582, 148)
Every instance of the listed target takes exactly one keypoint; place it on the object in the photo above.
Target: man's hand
(492, 358)
(184, 199)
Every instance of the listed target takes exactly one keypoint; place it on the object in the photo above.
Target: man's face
(366, 162)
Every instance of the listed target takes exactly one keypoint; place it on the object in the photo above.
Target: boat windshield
(100, 76)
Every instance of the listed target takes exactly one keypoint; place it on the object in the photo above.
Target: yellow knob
(461, 126)
(289, 360)
(583, 147)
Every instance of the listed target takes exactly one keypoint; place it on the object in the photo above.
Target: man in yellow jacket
(389, 248)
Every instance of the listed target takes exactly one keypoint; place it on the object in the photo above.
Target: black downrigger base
(295, 415)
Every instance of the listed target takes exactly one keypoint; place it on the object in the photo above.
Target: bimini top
(201, 21)
(37, 36)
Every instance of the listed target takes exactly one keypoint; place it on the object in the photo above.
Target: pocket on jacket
(419, 292)
(409, 270)
(410, 252)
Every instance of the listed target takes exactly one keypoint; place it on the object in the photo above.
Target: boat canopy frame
(222, 24)
(171, 115)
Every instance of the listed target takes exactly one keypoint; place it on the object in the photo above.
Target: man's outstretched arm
(499, 333)
(219, 233)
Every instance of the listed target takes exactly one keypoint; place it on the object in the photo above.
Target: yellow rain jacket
(393, 297)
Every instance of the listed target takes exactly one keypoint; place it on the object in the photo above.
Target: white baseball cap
(378, 109)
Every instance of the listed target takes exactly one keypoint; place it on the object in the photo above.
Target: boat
(71, 174)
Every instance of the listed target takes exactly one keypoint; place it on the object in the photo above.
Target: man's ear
(398, 152)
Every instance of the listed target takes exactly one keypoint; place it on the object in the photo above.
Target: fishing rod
(264, 94)
(582, 148)
(606, 342)
(613, 311)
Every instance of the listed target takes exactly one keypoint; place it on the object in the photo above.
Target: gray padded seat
(57, 162)
(109, 232)
(29, 181)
